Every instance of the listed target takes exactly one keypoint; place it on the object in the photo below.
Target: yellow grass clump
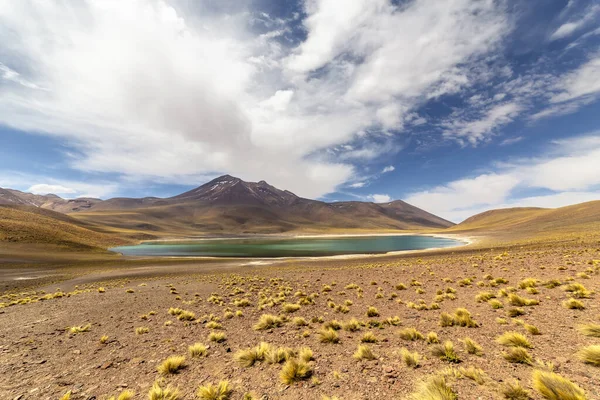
(590, 355)
(434, 388)
(172, 365)
(555, 387)
(198, 350)
(294, 371)
(220, 391)
(159, 393)
(267, 321)
(364, 352)
(513, 339)
(589, 329)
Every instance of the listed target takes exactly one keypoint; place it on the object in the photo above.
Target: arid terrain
(492, 320)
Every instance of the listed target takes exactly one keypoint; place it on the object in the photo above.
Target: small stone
(106, 365)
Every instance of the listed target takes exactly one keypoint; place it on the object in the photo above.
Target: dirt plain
(41, 359)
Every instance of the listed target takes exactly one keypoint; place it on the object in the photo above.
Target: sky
(455, 106)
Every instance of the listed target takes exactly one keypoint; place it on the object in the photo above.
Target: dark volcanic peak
(227, 190)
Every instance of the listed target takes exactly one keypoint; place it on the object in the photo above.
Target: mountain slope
(30, 224)
(229, 205)
(578, 218)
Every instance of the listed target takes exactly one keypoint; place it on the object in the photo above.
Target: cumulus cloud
(44, 188)
(379, 198)
(389, 168)
(568, 171)
(145, 90)
(357, 185)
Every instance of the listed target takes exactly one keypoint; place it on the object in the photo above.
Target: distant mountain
(229, 205)
(577, 219)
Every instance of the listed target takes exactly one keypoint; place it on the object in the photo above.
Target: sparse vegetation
(294, 371)
(220, 391)
(446, 352)
(172, 365)
(555, 387)
(590, 355)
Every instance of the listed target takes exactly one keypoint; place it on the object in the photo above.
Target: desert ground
(496, 319)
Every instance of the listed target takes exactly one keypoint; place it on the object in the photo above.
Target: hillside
(229, 205)
(29, 224)
(578, 218)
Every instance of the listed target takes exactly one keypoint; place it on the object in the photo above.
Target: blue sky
(459, 108)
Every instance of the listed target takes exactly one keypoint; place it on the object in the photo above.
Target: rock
(106, 365)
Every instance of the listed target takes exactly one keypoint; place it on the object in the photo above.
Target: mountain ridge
(229, 205)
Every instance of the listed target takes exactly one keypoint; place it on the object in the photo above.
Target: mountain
(31, 224)
(229, 205)
(49, 201)
(575, 219)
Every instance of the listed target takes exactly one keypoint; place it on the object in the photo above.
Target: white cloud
(513, 140)
(568, 28)
(357, 185)
(569, 170)
(389, 168)
(582, 82)
(379, 198)
(142, 89)
(44, 188)
(479, 129)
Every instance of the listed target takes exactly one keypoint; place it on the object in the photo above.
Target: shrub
(554, 387)
(328, 336)
(573, 304)
(198, 350)
(410, 359)
(294, 371)
(513, 339)
(221, 391)
(364, 352)
(434, 388)
(410, 334)
(159, 393)
(472, 347)
(372, 312)
(514, 391)
(590, 355)
(518, 355)
(432, 337)
(172, 365)
(369, 337)
(268, 321)
(590, 329)
(446, 352)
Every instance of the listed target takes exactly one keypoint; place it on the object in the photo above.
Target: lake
(287, 247)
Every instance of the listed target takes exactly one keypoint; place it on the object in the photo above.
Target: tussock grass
(590, 355)
(80, 329)
(305, 354)
(124, 395)
(364, 352)
(532, 329)
(372, 312)
(328, 336)
(295, 371)
(446, 352)
(577, 290)
(461, 317)
(290, 307)
(409, 358)
(369, 337)
(249, 357)
(141, 330)
(589, 329)
(555, 387)
(333, 324)
(267, 321)
(528, 283)
(573, 304)
(472, 347)
(220, 391)
(352, 325)
(172, 365)
(518, 355)
(213, 325)
(432, 338)
(279, 355)
(434, 388)
(159, 393)
(518, 301)
(514, 391)
(103, 339)
(198, 350)
(495, 304)
(66, 396)
(410, 334)
(217, 337)
(513, 339)
(515, 312)
(186, 316)
(299, 321)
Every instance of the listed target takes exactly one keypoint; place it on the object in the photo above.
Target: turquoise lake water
(287, 247)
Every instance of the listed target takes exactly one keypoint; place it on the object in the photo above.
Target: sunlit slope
(578, 218)
(28, 224)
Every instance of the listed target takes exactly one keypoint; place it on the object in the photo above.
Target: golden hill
(534, 222)
(28, 224)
